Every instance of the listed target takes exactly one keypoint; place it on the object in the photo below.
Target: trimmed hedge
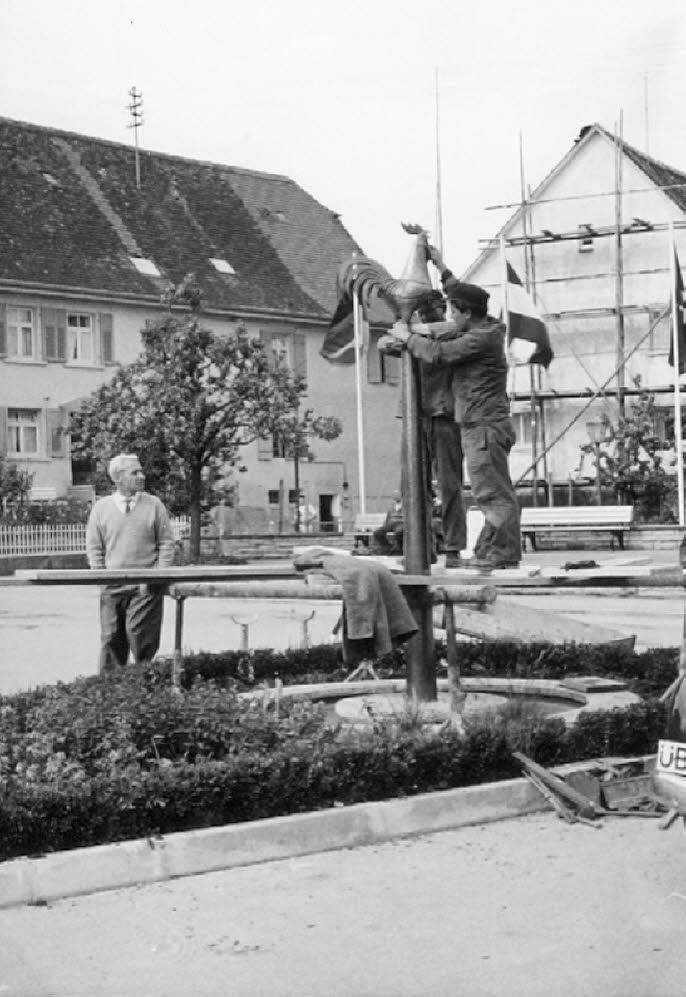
(118, 757)
(647, 673)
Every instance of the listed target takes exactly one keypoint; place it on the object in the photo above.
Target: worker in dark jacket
(443, 439)
(477, 358)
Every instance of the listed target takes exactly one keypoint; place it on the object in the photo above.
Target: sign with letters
(671, 757)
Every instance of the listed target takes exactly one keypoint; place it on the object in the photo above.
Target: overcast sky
(341, 96)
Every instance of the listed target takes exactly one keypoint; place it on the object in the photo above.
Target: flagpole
(527, 282)
(439, 201)
(506, 313)
(677, 386)
(357, 339)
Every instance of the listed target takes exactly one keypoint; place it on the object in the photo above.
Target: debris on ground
(616, 788)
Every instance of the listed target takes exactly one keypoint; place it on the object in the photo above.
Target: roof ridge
(62, 132)
(660, 163)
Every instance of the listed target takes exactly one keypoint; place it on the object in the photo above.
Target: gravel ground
(526, 907)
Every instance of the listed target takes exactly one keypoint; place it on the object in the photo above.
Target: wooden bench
(43, 493)
(613, 519)
(364, 526)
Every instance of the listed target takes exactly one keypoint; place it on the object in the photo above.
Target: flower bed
(107, 759)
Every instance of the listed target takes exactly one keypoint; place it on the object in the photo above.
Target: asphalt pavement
(530, 907)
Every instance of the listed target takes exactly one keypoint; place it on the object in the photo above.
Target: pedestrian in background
(129, 529)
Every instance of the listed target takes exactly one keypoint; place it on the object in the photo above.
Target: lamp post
(594, 430)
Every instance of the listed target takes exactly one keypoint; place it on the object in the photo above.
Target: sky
(343, 97)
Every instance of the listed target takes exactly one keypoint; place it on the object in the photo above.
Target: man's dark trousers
(129, 621)
(445, 448)
(486, 451)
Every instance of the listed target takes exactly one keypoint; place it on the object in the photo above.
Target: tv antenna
(135, 108)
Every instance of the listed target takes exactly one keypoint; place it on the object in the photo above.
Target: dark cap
(470, 295)
(431, 306)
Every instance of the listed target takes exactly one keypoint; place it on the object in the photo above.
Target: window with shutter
(54, 334)
(56, 433)
(373, 359)
(23, 431)
(106, 324)
(3, 331)
(299, 354)
(80, 339)
(21, 339)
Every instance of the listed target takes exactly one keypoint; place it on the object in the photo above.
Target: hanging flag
(678, 316)
(339, 341)
(525, 324)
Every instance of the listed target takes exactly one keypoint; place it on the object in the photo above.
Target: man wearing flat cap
(477, 358)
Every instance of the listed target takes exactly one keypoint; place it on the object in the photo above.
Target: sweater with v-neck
(140, 538)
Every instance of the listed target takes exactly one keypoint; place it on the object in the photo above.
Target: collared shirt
(121, 500)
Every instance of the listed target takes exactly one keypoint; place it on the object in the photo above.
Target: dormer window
(586, 244)
(144, 266)
(222, 266)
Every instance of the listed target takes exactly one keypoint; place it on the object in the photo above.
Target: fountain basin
(365, 702)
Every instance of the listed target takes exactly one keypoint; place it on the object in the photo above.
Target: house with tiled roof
(86, 256)
(594, 240)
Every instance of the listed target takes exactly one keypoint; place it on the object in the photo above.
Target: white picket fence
(56, 538)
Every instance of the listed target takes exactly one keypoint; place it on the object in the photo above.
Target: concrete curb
(188, 853)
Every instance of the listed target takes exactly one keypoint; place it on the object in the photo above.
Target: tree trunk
(296, 483)
(195, 492)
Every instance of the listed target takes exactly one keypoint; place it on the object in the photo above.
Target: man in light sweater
(129, 529)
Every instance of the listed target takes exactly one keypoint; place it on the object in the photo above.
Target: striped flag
(678, 318)
(339, 341)
(525, 324)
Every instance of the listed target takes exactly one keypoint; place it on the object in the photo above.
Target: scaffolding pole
(533, 404)
(678, 442)
(596, 394)
(619, 278)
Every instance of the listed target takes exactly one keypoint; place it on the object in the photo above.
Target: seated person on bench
(388, 538)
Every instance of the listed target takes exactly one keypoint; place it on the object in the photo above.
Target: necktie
(128, 505)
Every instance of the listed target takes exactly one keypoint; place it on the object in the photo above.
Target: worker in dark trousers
(477, 358)
(443, 438)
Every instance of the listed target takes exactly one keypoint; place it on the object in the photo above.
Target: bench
(364, 526)
(613, 519)
(43, 493)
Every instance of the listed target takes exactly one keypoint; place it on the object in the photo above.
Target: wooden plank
(159, 576)
(507, 621)
(322, 589)
(584, 806)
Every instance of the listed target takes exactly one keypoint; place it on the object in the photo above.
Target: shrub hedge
(647, 673)
(110, 758)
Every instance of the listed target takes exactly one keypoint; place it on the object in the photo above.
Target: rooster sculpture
(368, 278)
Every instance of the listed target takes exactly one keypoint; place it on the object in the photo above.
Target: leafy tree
(638, 459)
(296, 430)
(15, 485)
(186, 406)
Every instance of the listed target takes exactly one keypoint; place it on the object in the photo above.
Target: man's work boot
(453, 559)
(492, 563)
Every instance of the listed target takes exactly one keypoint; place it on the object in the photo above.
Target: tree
(638, 459)
(15, 486)
(295, 431)
(186, 406)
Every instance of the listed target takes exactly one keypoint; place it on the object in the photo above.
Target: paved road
(522, 907)
(51, 633)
